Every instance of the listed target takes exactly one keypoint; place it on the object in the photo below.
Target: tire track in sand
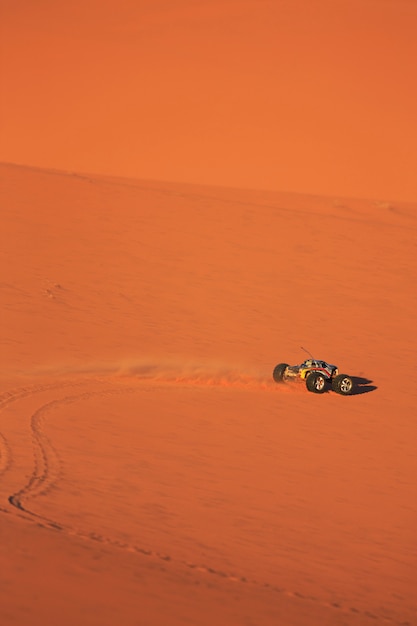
(7, 398)
(14, 395)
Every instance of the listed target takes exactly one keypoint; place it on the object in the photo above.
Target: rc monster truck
(318, 376)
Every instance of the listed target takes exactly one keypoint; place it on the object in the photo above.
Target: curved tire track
(14, 395)
(8, 397)
(47, 468)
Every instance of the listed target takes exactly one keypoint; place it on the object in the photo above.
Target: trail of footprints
(47, 471)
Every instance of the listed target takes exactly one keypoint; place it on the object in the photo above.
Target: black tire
(342, 384)
(279, 371)
(316, 382)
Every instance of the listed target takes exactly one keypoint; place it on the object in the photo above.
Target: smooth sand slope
(150, 470)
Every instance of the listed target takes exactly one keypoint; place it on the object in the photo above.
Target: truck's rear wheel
(279, 372)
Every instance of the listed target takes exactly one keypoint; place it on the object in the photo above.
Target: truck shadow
(362, 385)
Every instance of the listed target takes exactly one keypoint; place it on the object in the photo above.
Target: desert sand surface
(151, 471)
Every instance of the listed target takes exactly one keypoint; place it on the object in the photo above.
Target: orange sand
(151, 472)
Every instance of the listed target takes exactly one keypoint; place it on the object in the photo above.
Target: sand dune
(151, 472)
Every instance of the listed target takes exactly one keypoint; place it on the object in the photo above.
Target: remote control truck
(319, 376)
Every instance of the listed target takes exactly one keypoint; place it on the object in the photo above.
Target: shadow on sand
(362, 385)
